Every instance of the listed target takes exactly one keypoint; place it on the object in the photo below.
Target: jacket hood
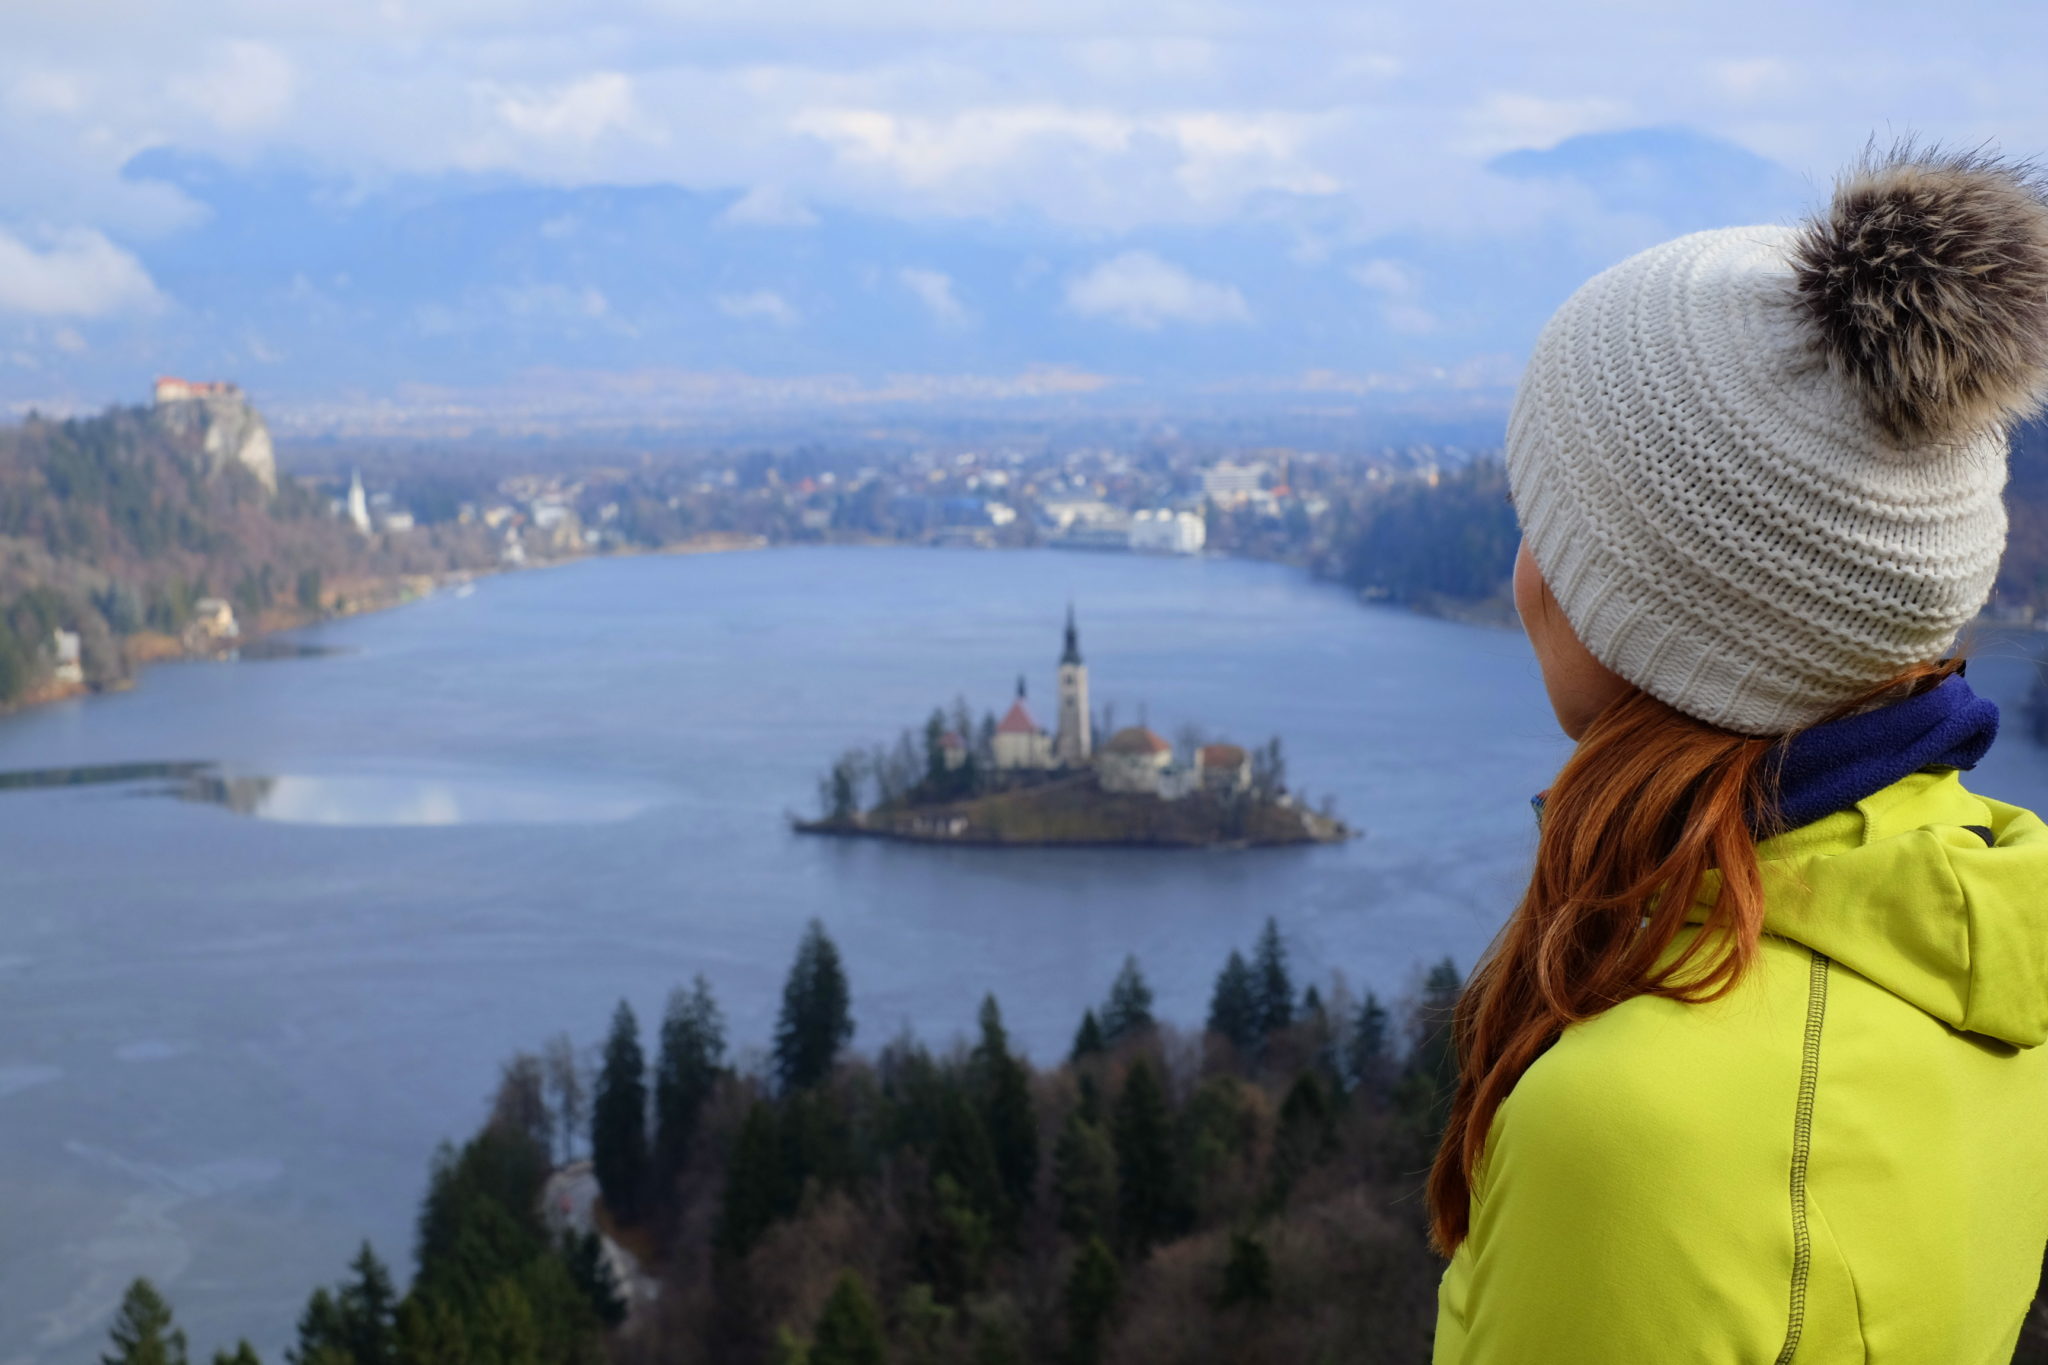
(1936, 894)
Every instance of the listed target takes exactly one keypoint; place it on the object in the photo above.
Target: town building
(213, 622)
(1229, 484)
(1163, 531)
(69, 661)
(954, 750)
(1133, 760)
(1073, 743)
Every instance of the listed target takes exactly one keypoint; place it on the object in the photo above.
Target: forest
(113, 527)
(1247, 1192)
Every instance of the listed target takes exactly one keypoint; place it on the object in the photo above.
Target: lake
(271, 927)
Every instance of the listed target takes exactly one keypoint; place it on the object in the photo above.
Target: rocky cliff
(218, 417)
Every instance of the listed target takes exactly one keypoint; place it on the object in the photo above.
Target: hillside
(114, 527)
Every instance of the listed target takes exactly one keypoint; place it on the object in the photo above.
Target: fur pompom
(1927, 282)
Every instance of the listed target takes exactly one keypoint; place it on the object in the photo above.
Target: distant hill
(115, 527)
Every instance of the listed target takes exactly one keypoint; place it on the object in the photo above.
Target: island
(1009, 782)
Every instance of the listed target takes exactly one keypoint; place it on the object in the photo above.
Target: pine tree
(1088, 1038)
(323, 1331)
(692, 1050)
(753, 1197)
(243, 1354)
(1368, 1056)
(1304, 1133)
(593, 1275)
(1272, 985)
(368, 1306)
(504, 1331)
(1148, 1187)
(1084, 1180)
(1248, 1274)
(1128, 1012)
(618, 1120)
(430, 1332)
(1006, 1109)
(1093, 1287)
(1234, 1012)
(143, 1332)
(815, 1022)
(849, 1329)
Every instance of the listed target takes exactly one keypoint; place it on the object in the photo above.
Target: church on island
(1011, 781)
(1134, 760)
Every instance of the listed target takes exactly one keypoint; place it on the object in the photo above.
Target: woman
(1754, 1072)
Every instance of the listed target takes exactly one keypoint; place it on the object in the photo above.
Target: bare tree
(567, 1092)
(521, 1104)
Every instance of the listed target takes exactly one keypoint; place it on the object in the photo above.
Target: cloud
(1504, 121)
(1400, 292)
(759, 305)
(1137, 289)
(769, 206)
(247, 87)
(580, 111)
(934, 289)
(78, 274)
(1753, 77)
(47, 92)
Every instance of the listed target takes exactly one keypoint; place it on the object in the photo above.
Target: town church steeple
(1073, 650)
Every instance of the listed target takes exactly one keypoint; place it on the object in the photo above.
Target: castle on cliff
(217, 416)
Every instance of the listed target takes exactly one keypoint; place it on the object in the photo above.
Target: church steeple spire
(1072, 743)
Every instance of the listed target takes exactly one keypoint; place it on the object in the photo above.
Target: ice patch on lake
(350, 800)
(144, 1239)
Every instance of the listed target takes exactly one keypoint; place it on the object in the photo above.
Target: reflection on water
(266, 647)
(357, 800)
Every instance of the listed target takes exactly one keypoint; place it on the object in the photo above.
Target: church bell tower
(1072, 745)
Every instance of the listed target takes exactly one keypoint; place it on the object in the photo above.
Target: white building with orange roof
(1133, 760)
(1020, 742)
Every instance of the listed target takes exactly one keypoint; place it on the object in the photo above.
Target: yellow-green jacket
(1844, 1160)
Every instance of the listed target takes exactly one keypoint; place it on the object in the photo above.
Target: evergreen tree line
(1251, 1189)
(1451, 537)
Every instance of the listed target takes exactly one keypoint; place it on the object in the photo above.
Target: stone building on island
(1134, 760)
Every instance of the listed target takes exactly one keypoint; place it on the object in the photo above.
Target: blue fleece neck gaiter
(1831, 767)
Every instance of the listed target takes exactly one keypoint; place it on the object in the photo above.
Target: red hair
(1647, 805)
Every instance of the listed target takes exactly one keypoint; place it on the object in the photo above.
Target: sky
(405, 205)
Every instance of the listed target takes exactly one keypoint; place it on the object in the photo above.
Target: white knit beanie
(1761, 468)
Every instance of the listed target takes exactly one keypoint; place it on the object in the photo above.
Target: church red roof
(1018, 721)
